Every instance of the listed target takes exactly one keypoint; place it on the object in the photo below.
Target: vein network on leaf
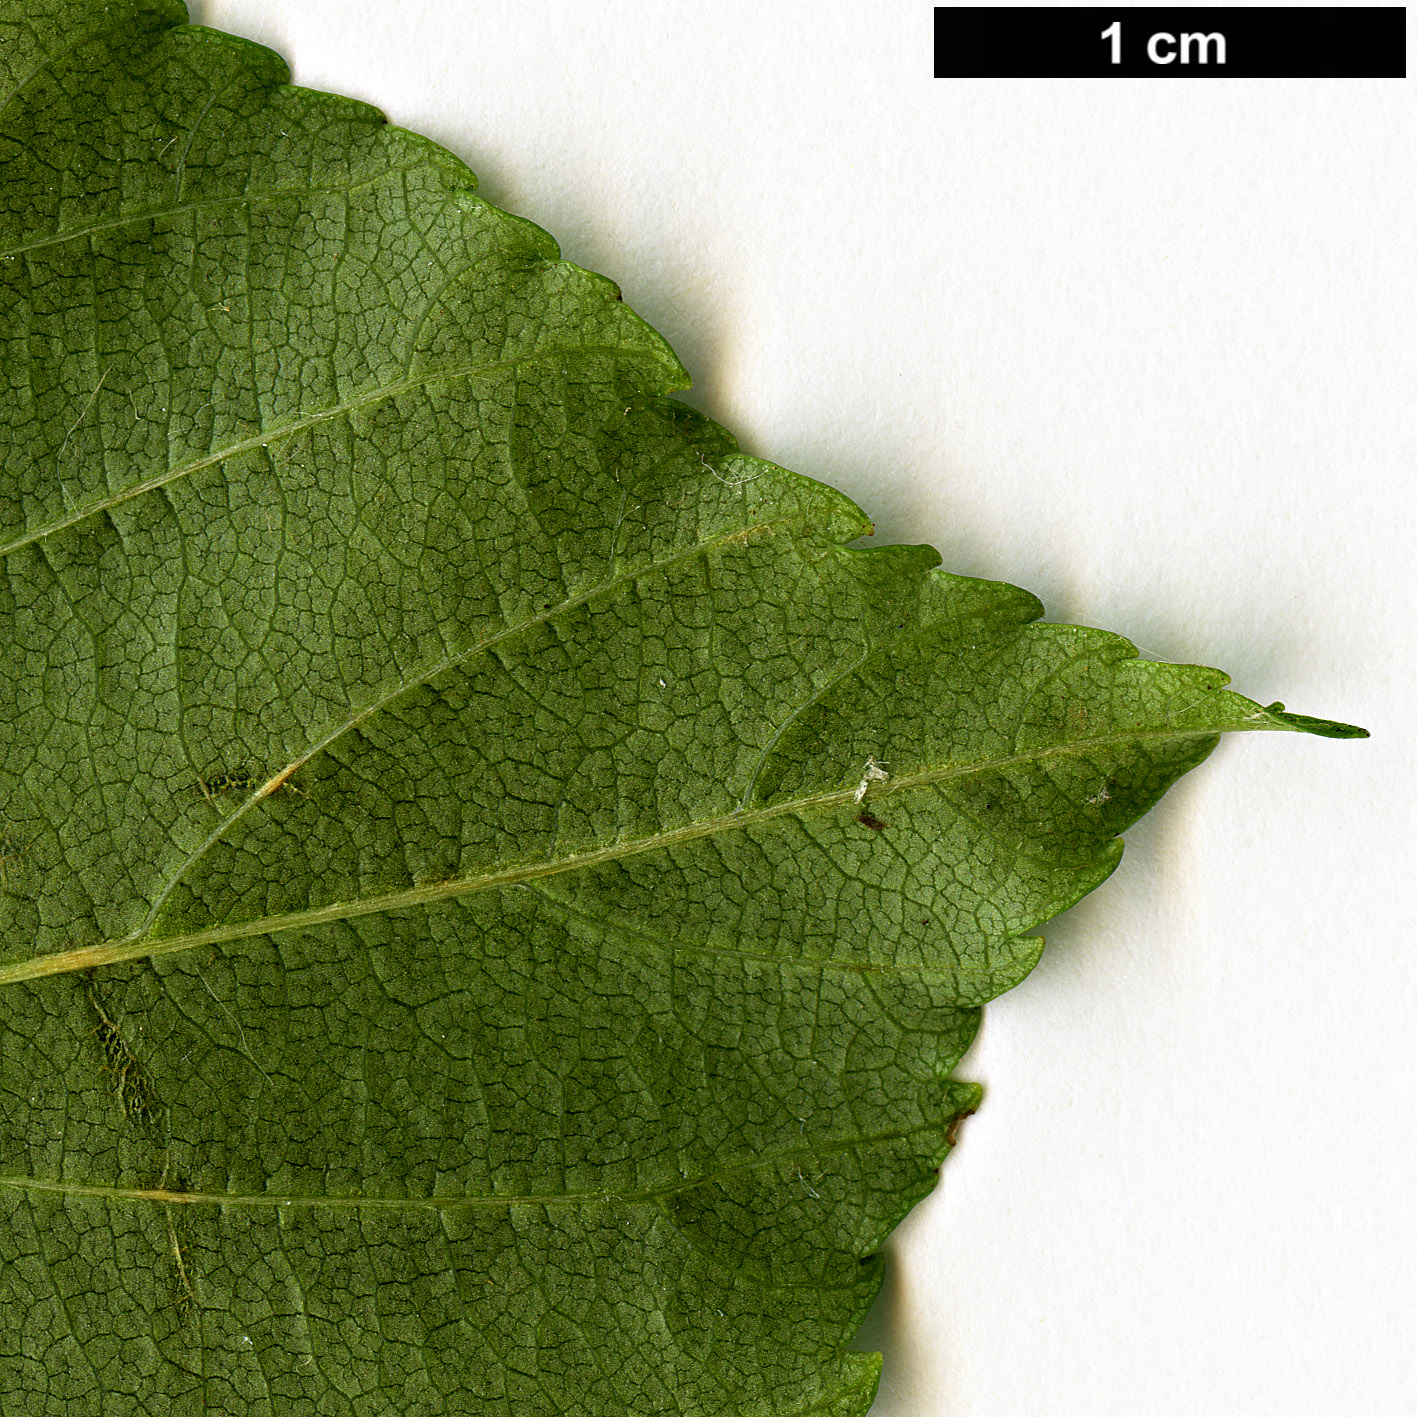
(493, 889)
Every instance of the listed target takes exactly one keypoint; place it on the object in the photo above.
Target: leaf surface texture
(493, 887)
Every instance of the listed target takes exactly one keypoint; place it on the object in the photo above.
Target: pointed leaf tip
(1320, 727)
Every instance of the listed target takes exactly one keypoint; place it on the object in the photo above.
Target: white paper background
(1144, 347)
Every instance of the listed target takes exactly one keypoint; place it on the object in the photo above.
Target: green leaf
(494, 886)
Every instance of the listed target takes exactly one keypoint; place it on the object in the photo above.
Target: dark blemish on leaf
(12, 855)
(867, 820)
(952, 1132)
(228, 782)
(135, 1093)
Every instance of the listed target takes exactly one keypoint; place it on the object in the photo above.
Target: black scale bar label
(1166, 42)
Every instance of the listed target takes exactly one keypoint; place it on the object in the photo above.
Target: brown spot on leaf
(952, 1133)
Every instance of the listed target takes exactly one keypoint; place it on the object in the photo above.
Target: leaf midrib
(125, 951)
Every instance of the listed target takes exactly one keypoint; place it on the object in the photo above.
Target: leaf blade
(410, 714)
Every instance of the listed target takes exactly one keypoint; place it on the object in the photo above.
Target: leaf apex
(1319, 727)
